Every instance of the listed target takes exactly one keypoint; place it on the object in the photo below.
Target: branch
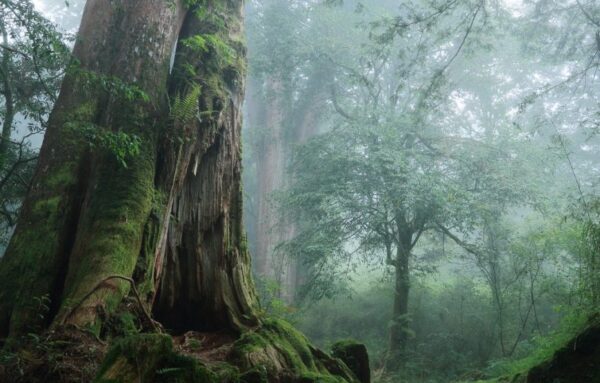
(568, 157)
(388, 253)
(438, 74)
(14, 167)
(400, 25)
(466, 246)
(414, 242)
(464, 39)
(588, 15)
(337, 107)
(13, 50)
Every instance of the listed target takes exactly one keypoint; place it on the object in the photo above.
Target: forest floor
(66, 355)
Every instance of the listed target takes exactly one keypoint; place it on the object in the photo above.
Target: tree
(289, 88)
(90, 216)
(33, 56)
(395, 164)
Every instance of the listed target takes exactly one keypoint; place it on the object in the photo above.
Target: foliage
(203, 43)
(426, 121)
(590, 255)
(272, 305)
(33, 54)
(389, 171)
(122, 145)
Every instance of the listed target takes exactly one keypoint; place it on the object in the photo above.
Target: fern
(196, 43)
(184, 109)
(223, 50)
(203, 42)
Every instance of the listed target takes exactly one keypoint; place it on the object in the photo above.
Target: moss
(126, 323)
(344, 344)
(47, 207)
(320, 378)
(66, 355)
(279, 348)
(110, 235)
(225, 372)
(145, 263)
(150, 358)
(62, 177)
(255, 375)
(354, 355)
(36, 253)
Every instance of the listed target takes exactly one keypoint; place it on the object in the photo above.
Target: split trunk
(166, 215)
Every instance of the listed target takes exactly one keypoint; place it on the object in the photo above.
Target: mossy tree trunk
(170, 218)
(202, 262)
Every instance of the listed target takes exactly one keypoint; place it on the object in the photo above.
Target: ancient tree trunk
(170, 218)
(202, 260)
(165, 220)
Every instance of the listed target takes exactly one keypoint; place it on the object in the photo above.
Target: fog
(420, 176)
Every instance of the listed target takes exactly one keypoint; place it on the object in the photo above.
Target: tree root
(155, 325)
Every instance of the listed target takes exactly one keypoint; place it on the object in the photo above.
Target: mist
(419, 177)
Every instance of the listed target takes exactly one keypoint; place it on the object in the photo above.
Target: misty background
(421, 176)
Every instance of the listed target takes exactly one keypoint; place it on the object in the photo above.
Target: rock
(287, 356)
(577, 362)
(355, 356)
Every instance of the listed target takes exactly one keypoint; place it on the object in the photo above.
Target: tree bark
(270, 169)
(9, 102)
(400, 322)
(171, 218)
(205, 281)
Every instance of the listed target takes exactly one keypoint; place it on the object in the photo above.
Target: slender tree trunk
(9, 102)
(399, 327)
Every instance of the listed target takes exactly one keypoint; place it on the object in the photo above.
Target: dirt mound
(577, 362)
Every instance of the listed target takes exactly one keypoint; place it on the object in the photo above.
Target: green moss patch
(279, 349)
(150, 358)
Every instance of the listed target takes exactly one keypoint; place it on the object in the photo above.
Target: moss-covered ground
(272, 352)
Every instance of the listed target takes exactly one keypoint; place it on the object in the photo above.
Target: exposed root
(155, 325)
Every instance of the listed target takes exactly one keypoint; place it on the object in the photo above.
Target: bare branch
(588, 15)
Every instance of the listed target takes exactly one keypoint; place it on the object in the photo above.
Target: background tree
(33, 56)
(390, 171)
(291, 73)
